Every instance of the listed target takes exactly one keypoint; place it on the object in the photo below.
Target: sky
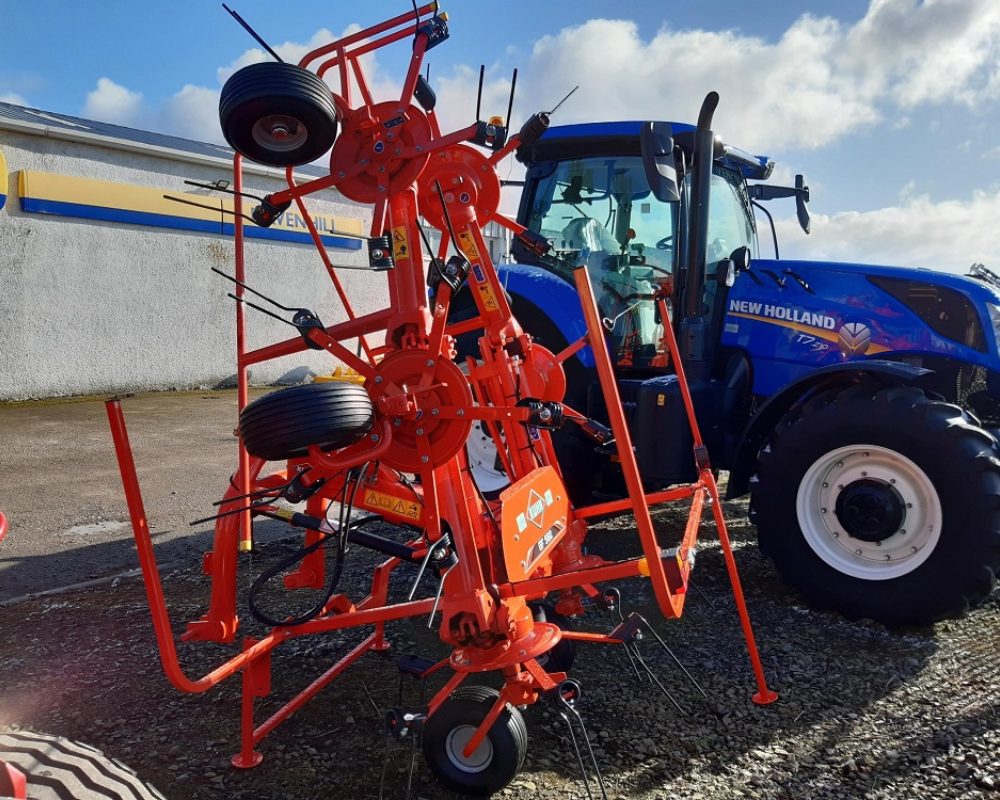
(891, 108)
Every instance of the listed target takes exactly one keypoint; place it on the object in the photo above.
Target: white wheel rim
(899, 553)
(483, 459)
(455, 744)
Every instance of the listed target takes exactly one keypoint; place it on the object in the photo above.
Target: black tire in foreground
(278, 114)
(494, 763)
(60, 769)
(883, 503)
(283, 424)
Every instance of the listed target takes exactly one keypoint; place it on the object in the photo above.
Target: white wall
(88, 307)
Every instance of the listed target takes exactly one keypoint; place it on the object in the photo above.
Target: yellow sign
(468, 245)
(400, 246)
(489, 299)
(391, 504)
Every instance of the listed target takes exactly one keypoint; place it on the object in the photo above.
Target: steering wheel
(664, 243)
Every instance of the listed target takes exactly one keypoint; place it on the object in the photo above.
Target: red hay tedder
(395, 446)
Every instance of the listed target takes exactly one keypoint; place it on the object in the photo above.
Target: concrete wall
(88, 307)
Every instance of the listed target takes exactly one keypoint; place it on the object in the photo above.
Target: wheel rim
(454, 745)
(483, 459)
(869, 512)
(279, 133)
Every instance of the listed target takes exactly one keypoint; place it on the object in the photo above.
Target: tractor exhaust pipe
(694, 328)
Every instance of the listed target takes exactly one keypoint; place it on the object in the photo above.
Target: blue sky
(889, 107)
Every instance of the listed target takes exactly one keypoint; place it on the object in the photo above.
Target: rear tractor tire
(883, 503)
(59, 769)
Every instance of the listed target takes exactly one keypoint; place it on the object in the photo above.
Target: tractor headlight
(995, 321)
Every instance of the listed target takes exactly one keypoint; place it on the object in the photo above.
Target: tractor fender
(553, 297)
(755, 432)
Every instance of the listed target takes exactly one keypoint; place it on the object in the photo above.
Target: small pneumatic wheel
(278, 114)
(493, 764)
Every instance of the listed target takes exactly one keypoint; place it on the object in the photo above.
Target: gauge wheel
(60, 769)
(278, 114)
(285, 423)
(493, 764)
(883, 503)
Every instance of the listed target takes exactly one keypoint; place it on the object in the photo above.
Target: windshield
(600, 211)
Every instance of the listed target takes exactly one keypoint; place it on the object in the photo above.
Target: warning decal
(400, 246)
(489, 299)
(468, 245)
(390, 504)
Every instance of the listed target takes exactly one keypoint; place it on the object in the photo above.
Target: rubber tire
(60, 769)
(260, 90)
(961, 460)
(283, 424)
(572, 446)
(561, 657)
(469, 705)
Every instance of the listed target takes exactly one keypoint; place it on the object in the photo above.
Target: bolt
(390, 136)
(822, 511)
(840, 487)
(461, 412)
(840, 465)
(374, 437)
(424, 459)
(396, 152)
(378, 379)
(887, 557)
(914, 549)
(857, 552)
(381, 188)
(419, 148)
(864, 474)
(517, 537)
(364, 162)
(826, 486)
(909, 505)
(464, 197)
(420, 431)
(892, 480)
(902, 531)
(522, 652)
(341, 173)
(866, 454)
(878, 544)
(397, 422)
(435, 412)
(836, 534)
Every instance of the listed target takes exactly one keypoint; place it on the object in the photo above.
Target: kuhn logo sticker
(535, 512)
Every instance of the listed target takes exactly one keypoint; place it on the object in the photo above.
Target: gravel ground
(863, 712)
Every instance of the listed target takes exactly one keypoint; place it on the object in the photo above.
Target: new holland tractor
(856, 404)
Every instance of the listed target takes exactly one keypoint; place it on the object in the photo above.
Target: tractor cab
(587, 192)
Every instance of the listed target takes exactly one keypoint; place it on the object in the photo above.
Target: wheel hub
(279, 132)
(870, 510)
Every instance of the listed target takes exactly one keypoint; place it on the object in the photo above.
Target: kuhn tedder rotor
(396, 445)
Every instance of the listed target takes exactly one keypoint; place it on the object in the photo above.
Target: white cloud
(12, 97)
(111, 102)
(948, 234)
(193, 113)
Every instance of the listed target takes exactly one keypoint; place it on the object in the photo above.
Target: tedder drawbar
(396, 445)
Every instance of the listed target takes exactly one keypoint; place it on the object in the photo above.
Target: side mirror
(801, 202)
(656, 144)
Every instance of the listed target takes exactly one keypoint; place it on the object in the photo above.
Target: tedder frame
(396, 445)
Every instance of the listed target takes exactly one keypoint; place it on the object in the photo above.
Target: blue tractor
(856, 404)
